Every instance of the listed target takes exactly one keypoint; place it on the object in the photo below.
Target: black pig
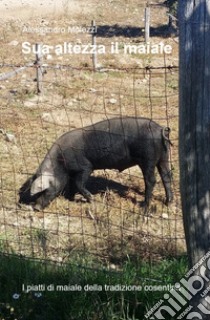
(117, 143)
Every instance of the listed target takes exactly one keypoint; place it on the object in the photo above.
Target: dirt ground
(27, 9)
(113, 226)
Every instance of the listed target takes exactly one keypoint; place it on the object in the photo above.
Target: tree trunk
(194, 138)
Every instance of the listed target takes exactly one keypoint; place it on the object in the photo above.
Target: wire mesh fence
(114, 225)
(108, 259)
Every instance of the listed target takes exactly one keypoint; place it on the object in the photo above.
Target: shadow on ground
(108, 31)
(100, 185)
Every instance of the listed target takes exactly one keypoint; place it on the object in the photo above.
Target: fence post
(94, 57)
(194, 141)
(147, 22)
(38, 64)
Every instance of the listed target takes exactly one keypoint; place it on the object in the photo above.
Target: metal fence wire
(114, 225)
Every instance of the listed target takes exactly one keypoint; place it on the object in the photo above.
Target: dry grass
(114, 225)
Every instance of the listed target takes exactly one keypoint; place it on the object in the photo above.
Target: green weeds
(83, 288)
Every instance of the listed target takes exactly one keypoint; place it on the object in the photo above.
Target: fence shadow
(109, 31)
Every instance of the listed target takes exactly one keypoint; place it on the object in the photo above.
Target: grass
(72, 291)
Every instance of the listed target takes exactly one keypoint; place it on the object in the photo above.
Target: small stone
(13, 43)
(165, 216)
(46, 116)
(113, 101)
(92, 90)
(49, 57)
(70, 104)
(10, 137)
(14, 91)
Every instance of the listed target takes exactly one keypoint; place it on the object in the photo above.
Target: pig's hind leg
(148, 171)
(165, 173)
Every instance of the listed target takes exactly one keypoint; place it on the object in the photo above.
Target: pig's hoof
(168, 201)
(37, 207)
(144, 205)
(85, 198)
(89, 197)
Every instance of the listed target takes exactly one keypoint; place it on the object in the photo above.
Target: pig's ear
(40, 184)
